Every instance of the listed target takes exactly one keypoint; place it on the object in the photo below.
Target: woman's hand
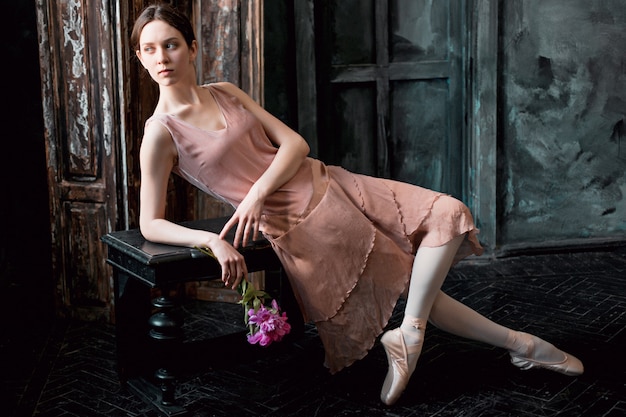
(233, 265)
(247, 218)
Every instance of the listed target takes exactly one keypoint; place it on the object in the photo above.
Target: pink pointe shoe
(402, 360)
(534, 352)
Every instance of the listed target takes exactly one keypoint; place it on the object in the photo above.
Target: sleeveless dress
(346, 241)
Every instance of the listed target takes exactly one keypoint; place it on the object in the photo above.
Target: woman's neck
(177, 96)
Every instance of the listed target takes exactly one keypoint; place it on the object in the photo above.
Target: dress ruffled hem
(350, 259)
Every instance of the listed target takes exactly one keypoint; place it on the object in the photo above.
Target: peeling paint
(107, 122)
(72, 35)
(78, 132)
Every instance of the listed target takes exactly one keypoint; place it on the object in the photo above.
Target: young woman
(351, 244)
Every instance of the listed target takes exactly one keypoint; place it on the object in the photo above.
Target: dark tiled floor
(576, 300)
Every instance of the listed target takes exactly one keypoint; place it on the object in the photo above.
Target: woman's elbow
(304, 148)
(147, 229)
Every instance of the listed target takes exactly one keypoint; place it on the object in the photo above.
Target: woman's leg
(430, 269)
(527, 351)
(403, 345)
(454, 317)
(426, 302)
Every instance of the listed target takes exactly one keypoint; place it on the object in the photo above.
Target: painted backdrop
(563, 104)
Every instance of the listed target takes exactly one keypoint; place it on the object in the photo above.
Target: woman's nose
(162, 56)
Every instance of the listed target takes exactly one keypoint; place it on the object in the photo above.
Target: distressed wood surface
(78, 69)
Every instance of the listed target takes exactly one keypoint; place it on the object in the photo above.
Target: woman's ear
(193, 50)
(138, 54)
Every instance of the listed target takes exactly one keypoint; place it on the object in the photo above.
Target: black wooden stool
(148, 331)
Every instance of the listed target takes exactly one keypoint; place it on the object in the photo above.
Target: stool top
(132, 243)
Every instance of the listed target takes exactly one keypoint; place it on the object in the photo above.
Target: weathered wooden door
(79, 101)
(380, 87)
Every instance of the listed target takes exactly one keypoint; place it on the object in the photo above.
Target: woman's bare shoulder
(155, 132)
(155, 125)
(229, 88)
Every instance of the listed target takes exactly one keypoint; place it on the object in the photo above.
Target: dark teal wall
(563, 103)
(561, 152)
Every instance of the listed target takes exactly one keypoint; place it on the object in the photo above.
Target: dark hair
(167, 14)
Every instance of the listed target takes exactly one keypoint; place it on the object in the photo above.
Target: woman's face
(164, 53)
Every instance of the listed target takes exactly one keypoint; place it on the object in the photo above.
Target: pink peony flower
(267, 325)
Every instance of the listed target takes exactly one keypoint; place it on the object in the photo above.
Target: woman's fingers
(229, 225)
(251, 231)
(231, 261)
(247, 230)
(247, 217)
(239, 231)
(233, 271)
(238, 279)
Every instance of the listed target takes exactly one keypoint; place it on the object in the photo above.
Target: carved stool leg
(166, 332)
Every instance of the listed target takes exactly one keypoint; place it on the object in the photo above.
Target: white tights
(426, 301)
(454, 317)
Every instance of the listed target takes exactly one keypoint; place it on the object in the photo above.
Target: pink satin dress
(346, 241)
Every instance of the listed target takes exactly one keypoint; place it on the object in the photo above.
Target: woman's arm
(156, 158)
(292, 150)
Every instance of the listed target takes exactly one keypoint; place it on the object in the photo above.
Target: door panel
(353, 37)
(389, 89)
(417, 147)
(418, 30)
(79, 99)
(353, 144)
(85, 223)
